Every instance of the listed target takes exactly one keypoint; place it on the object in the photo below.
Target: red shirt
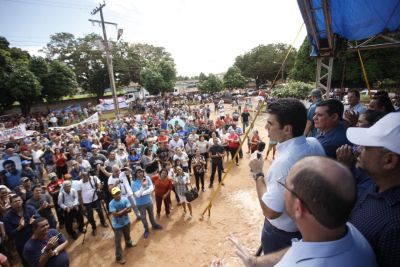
(161, 186)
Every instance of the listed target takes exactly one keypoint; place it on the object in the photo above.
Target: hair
(7, 162)
(384, 102)
(334, 107)
(355, 92)
(290, 111)
(372, 116)
(329, 206)
(35, 223)
(163, 170)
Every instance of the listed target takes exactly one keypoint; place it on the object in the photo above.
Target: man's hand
(351, 117)
(345, 155)
(256, 165)
(247, 259)
(21, 223)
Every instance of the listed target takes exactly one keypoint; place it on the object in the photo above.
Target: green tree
(211, 84)
(60, 82)
(6, 68)
(264, 61)
(233, 78)
(24, 87)
(159, 77)
(294, 89)
(39, 67)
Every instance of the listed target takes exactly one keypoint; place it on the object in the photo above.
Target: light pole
(282, 69)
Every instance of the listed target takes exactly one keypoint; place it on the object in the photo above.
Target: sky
(202, 36)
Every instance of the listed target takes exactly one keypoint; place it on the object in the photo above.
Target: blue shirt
(33, 251)
(145, 195)
(333, 139)
(13, 180)
(310, 116)
(352, 250)
(11, 222)
(377, 216)
(115, 206)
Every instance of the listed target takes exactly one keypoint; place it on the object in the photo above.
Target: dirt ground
(185, 242)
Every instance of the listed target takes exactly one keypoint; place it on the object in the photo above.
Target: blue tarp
(355, 19)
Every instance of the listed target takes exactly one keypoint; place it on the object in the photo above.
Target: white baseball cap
(384, 133)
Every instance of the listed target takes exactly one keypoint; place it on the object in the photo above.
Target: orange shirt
(161, 186)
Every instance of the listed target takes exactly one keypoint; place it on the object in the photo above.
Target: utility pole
(108, 55)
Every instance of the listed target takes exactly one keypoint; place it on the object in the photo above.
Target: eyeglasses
(296, 195)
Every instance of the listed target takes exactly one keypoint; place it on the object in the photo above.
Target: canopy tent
(336, 26)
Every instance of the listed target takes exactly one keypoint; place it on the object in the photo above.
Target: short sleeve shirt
(115, 206)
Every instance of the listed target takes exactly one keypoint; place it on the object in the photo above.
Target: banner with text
(92, 119)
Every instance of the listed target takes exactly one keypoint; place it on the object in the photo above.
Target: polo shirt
(11, 222)
(377, 216)
(351, 250)
(290, 151)
(13, 180)
(333, 139)
(115, 206)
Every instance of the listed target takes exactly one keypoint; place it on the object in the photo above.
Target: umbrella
(177, 120)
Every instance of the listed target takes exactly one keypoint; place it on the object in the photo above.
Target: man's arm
(261, 190)
(249, 260)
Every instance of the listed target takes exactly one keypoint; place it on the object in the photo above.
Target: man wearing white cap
(377, 212)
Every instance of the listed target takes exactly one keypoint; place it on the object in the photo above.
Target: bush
(294, 89)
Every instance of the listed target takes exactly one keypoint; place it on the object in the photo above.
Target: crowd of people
(65, 174)
(59, 177)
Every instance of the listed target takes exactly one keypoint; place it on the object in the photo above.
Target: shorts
(182, 199)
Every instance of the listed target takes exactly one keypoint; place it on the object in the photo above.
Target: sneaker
(157, 227)
(146, 234)
(130, 245)
(121, 261)
(94, 232)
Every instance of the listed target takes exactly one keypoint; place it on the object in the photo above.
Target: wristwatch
(260, 174)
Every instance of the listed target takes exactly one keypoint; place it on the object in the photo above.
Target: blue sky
(202, 36)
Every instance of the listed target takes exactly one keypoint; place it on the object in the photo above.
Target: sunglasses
(296, 195)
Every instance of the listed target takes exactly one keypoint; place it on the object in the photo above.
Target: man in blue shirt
(142, 188)
(316, 97)
(319, 196)
(120, 207)
(377, 213)
(13, 176)
(328, 120)
(46, 246)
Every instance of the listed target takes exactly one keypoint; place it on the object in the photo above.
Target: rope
(260, 107)
(364, 73)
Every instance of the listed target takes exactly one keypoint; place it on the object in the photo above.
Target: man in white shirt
(285, 124)
(37, 152)
(88, 199)
(69, 203)
(120, 180)
(176, 142)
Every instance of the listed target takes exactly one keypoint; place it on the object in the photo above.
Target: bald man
(319, 196)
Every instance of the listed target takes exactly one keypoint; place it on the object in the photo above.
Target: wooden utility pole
(108, 55)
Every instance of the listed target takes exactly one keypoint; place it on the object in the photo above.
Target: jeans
(147, 208)
(274, 239)
(214, 167)
(233, 152)
(133, 206)
(167, 202)
(118, 233)
(89, 213)
(199, 176)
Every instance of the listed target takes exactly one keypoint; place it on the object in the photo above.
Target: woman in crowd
(183, 158)
(199, 163)
(162, 189)
(203, 146)
(181, 183)
(61, 162)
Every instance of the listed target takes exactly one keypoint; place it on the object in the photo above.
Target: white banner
(16, 132)
(92, 119)
(108, 104)
(16, 159)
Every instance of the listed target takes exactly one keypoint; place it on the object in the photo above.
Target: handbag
(191, 194)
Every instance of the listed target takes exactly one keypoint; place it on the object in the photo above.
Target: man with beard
(376, 214)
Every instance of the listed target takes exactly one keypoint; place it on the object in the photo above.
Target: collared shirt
(142, 194)
(290, 152)
(359, 108)
(333, 139)
(352, 250)
(68, 200)
(377, 216)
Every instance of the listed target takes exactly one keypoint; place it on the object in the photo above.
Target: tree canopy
(234, 79)
(210, 83)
